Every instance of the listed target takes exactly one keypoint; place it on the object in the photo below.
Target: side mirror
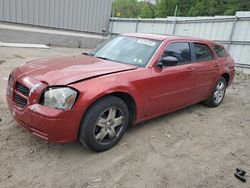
(168, 61)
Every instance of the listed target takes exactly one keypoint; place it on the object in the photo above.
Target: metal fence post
(231, 33)
(111, 27)
(136, 26)
(175, 22)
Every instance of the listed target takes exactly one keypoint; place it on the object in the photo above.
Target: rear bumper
(49, 124)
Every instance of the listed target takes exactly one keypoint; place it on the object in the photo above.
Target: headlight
(60, 98)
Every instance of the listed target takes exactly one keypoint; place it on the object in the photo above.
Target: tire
(104, 124)
(217, 94)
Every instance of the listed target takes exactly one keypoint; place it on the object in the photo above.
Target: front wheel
(217, 94)
(104, 124)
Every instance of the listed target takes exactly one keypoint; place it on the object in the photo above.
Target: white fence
(232, 31)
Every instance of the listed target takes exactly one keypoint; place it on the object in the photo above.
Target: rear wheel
(217, 94)
(104, 124)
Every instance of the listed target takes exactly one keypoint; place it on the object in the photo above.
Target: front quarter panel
(132, 82)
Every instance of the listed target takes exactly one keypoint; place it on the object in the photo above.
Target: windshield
(128, 50)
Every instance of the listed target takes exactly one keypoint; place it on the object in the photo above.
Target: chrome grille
(22, 102)
(21, 94)
(22, 89)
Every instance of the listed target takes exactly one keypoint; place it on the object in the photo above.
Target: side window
(202, 52)
(220, 51)
(179, 50)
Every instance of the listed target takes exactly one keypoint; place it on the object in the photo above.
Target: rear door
(206, 67)
(171, 87)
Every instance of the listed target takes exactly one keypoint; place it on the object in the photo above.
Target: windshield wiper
(88, 54)
(104, 58)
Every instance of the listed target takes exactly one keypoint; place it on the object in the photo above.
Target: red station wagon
(93, 97)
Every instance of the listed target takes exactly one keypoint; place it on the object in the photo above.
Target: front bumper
(50, 124)
(47, 123)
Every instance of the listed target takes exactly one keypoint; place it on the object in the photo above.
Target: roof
(162, 37)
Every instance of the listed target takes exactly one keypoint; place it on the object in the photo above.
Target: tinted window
(202, 52)
(180, 51)
(220, 51)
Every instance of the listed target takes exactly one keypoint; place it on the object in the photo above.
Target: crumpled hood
(66, 70)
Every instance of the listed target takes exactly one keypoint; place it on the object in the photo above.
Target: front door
(171, 87)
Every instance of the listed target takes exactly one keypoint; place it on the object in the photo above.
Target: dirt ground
(194, 147)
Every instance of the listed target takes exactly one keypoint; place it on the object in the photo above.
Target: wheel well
(130, 102)
(226, 76)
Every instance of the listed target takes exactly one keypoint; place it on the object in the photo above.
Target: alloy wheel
(108, 125)
(219, 92)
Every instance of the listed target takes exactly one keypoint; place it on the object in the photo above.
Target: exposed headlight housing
(59, 97)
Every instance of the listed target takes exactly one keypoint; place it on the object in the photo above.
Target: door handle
(190, 69)
(216, 65)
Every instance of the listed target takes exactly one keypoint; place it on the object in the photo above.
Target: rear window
(220, 51)
(202, 52)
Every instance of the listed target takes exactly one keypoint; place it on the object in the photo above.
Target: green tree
(207, 8)
(183, 7)
(165, 8)
(236, 5)
(126, 8)
(147, 10)
(199, 8)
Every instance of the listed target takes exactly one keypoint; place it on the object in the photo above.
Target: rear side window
(179, 50)
(220, 51)
(202, 52)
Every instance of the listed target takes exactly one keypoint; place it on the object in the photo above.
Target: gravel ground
(194, 147)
